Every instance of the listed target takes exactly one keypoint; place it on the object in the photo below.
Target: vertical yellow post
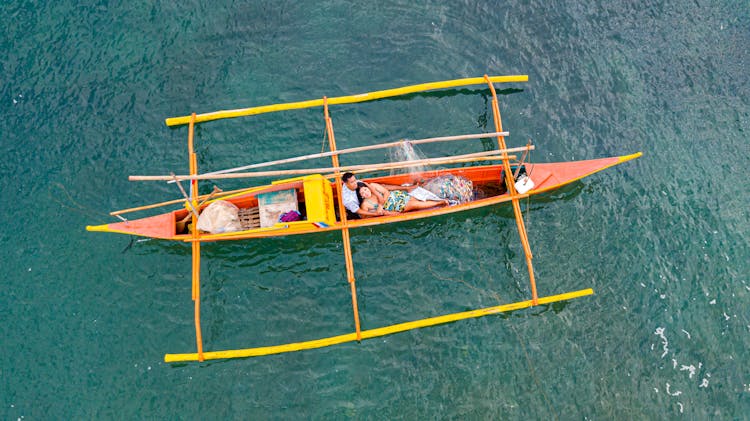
(512, 191)
(344, 222)
(196, 244)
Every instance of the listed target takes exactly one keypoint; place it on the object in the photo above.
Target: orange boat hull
(546, 177)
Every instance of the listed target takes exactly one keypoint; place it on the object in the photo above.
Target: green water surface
(85, 318)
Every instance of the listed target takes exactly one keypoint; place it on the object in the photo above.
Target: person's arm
(378, 190)
(382, 193)
(369, 213)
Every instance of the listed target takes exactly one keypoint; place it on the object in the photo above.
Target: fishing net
(406, 152)
(454, 188)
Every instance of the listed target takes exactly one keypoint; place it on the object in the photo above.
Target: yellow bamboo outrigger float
(319, 196)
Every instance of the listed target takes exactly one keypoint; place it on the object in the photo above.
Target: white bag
(220, 216)
(423, 194)
(524, 184)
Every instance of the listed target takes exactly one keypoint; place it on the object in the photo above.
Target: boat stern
(159, 226)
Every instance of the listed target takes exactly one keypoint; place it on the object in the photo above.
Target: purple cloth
(290, 216)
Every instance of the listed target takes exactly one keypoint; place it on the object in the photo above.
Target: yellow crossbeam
(350, 99)
(373, 333)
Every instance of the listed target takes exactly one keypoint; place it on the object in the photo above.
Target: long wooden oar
(203, 197)
(340, 152)
(403, 164)
(453, 161)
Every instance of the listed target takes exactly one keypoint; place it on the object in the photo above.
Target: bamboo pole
(512, 192)
(377, 332)
(188, 200)
(375, 167)
(344, 222)
(252, 189)
(340, 152)
(455, 161)
(196, 246)
(350, 99)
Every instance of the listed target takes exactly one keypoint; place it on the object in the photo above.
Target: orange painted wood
(196, 249)
(344, 222)
(509, 181)
(546, 177)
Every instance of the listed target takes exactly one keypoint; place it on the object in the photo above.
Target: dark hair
(359, 186)
(347, 176)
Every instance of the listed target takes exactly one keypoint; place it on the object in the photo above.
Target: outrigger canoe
(317, 197)
(316, 193)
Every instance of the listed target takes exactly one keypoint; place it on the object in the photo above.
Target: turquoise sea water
(85, 318)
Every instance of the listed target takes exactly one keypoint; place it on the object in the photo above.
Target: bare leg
(415, 204)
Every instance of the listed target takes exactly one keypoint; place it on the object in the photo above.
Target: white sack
(220, 216)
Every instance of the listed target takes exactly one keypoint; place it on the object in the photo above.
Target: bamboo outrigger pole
(349, 99)
(340, 152)
(452, 161)
(509, 181)
(217, 195)
(196, 247)
(344, 222)
(372, 167)
(377, 332)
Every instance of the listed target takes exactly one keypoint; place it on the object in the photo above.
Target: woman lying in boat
(352, 199)
(379, 201)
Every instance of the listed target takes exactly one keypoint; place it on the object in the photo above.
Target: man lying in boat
(377, 200)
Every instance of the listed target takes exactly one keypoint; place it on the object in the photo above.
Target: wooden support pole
(372, 167)
(510, 183)
(344, 222)
(197, 297)
(196, 246)
(204, 197)
(340, 152)
(452, 161)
